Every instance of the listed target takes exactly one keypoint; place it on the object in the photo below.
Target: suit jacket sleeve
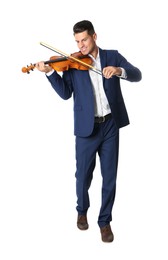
(133, 73)
(63, 88)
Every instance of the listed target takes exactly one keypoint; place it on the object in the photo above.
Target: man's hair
(84, 26)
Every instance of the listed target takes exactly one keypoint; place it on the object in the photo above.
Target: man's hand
(110, 71)
(42, 67)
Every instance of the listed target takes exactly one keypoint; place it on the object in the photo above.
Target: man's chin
(84, 52)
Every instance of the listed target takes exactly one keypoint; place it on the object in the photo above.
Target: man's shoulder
(108, 51)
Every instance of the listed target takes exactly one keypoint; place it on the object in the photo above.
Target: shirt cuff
(49, 73)
(123, 74)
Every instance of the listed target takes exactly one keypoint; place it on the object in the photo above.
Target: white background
(37, 159)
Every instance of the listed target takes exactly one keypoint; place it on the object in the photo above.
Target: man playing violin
(99, 113)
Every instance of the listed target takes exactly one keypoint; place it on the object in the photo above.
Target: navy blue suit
(93, 138)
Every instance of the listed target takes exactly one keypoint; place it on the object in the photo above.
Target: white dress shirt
(101, 104)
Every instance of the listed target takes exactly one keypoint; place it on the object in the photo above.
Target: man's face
(85, 42)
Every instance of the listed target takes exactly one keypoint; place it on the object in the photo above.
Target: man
(99, 113)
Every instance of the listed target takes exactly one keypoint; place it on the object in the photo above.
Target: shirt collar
(97, 58)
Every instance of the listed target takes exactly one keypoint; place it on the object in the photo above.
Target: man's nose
(80, 45)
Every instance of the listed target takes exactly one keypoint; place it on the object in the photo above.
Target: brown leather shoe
(106, 234)
(82, 223)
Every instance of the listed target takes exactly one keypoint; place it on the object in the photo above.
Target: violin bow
(71, 57)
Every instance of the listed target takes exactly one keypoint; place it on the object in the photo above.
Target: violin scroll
(28, 68)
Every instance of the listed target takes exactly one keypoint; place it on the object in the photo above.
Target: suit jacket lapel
(103, 61)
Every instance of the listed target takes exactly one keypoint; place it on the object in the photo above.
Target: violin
(66, 62)
(58, 63)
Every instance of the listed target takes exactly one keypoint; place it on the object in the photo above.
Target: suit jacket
(77, 83)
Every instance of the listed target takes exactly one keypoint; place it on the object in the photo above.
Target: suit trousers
(103, 141)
